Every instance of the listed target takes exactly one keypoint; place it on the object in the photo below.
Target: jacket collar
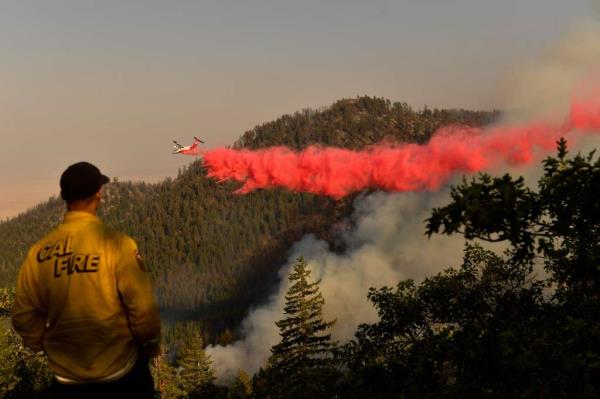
(80, 216)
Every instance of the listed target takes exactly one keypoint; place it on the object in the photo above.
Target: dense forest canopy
(354, 123)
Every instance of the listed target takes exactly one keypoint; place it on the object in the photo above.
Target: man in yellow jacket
(85, 299)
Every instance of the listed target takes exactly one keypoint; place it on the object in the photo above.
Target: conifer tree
(166, 379)
(197, 377)
(302, 364)
(225, 338)
(7, 298)
(241, 388)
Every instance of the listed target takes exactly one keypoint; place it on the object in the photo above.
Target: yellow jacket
(84, 298)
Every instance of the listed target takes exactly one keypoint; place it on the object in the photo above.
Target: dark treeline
(354, 123)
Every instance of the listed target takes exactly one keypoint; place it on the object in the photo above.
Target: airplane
(187, 150)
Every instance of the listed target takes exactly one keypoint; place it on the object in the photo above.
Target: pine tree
(302, 364)
(165, 376)
(7, 298)
(197, 377)
(225, 338)
(241, 388)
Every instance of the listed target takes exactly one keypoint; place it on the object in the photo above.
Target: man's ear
(98, 195)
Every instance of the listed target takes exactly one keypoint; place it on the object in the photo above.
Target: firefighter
(85, 299)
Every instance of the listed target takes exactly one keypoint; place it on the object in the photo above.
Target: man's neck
(89, 208)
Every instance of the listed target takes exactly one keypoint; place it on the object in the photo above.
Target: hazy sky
(113, 82)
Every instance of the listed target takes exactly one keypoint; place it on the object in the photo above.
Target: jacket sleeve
(135, 290)
(28, 313)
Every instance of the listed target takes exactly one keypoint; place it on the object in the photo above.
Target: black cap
(81, 180)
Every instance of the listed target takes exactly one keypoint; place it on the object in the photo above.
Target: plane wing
(189, 150)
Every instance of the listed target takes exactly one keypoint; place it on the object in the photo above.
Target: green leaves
(497, 326)
(560, 222)
(491, 209)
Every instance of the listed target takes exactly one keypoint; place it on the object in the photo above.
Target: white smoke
(386, 245)
(544, 87)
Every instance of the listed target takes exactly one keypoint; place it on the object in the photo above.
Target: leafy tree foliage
(301, 365)
(451, 336)
(497, 327)
(559, 222)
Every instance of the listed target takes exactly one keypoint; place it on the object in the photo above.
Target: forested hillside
(354, 123)
(450, 336)
(492, 326)
(213, 253)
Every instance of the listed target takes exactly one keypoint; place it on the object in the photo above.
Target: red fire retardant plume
(337, 172)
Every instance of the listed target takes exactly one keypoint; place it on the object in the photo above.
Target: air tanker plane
(187, 150)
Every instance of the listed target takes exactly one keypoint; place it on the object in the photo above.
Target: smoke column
(386, 244)
(452, 150)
